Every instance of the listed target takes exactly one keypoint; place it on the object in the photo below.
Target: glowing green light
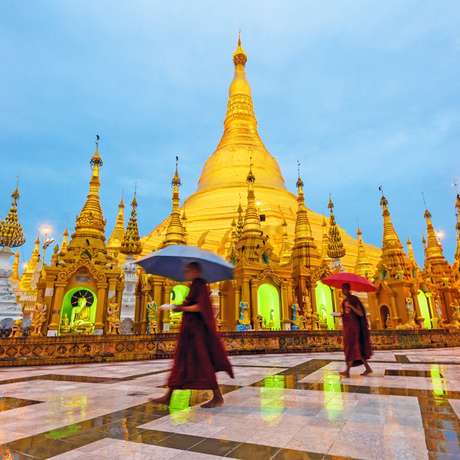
(333, 399)
(325, 304)
(268, 305)
(424, 309)
(436, 380)
(272, 398)
(179, 406)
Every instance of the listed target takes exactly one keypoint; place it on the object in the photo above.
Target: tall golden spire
(131, 242)
(285, 252)
(433, 246)
(304, 252)
(252, 242)
(335, 248)
(30, 268)
(240, 140)
(175, 232)
(90, 222)
(11, 233)
(65, 240)
(325, 242)
(362, 267)
(393, 257)
(410, 253)
(15, 268)
(251, 223)
(119, 229)
(240, 221)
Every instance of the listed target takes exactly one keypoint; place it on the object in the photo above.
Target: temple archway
(384, 316)
(78, 311)
(424, 305)
(324, 304)
(268, 305)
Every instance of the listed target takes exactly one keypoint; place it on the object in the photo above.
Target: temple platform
(74, 349)
(278, 406)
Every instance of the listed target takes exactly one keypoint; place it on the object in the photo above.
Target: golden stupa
(222, 185)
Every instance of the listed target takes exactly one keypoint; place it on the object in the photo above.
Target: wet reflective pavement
(294, 406)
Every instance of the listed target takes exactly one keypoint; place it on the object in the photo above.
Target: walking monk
(200, 352)
(356, 338)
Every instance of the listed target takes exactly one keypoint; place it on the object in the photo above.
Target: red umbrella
(357, 283)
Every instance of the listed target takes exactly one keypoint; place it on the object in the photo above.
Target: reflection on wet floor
(408, 409)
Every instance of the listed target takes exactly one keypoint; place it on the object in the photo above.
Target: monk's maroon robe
(356, 338)
(200, 352)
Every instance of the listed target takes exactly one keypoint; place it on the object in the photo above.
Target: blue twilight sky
(362, 92)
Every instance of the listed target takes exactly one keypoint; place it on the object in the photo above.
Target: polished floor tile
(289, 406)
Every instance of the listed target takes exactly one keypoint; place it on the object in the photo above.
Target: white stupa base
(9, 308)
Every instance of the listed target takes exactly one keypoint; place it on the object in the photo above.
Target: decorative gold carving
(39, 318)
(113, 317)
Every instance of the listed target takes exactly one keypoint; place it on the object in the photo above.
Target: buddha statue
(81, 318)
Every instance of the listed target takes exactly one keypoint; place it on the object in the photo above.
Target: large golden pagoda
(211, 209)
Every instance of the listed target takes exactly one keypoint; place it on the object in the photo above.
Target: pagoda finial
(11, 232)
(335, 249)
(239, 55)
(433, 245)
(411, 254)
(304, 253)
(362, 267)
(393, 257)
(175, 232)
(118, 231)
(251, 218)
(65, 240)
(299, 183)
(90, 222)
(131, 243)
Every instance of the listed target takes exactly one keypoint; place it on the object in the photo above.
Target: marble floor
(292, 406)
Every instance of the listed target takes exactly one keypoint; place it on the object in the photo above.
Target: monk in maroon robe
(356, 338)
(200, 352)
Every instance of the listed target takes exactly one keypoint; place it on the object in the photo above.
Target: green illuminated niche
(423, 303)
(177, 297)
(78, 311)
(268, 305)
(324, 304)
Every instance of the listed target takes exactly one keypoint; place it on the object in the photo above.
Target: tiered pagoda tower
(82, 278)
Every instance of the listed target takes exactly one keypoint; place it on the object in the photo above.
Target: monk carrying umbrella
(356, 338)
(200, 352)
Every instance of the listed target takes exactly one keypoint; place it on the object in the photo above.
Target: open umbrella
(357, 283)
(171, 261)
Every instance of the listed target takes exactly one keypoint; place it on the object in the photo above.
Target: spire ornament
(90, 222)
(131, 243)
(335, 249)
(11, 232)
(118, 231)
(175, 232)
(362, 267)
(11, 236)
(304, 253)
(393, 259)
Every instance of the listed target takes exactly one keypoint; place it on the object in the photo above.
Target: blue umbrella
(171, 261)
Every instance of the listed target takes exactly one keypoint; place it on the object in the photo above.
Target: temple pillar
(101, 307)
(54, 303)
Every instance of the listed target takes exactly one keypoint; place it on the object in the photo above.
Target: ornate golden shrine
(281, 250)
